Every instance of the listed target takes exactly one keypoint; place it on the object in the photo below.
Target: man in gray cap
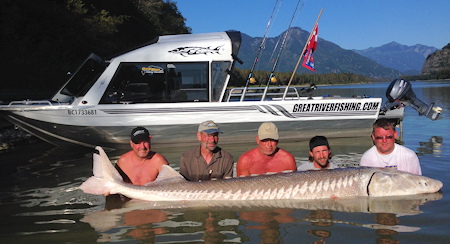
(140, 165)
(207, 161)
(267, 157)
(319, 155)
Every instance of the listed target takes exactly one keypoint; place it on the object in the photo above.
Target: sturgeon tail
(104, 175)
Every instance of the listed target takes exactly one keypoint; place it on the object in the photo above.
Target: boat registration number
(82, 112)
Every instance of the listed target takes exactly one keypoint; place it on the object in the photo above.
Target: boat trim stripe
(273, 109)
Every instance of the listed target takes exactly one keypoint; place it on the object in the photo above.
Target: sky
(351, 24)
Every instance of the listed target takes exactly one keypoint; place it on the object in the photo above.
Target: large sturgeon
(322, 184)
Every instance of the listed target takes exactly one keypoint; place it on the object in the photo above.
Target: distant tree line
(239, 78)
(42, 40)
(442, 74)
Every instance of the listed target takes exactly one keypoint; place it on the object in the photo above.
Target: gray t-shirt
(310, 165)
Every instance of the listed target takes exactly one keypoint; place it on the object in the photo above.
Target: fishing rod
(272, 78)
(301, 55)
(250, 78)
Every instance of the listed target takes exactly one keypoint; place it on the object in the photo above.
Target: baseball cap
(318, 141)
(268, 130)
(209, 127)
(139, 134)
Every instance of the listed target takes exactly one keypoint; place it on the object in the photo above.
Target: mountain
(438, 61)
(407, 59)
(329, 57)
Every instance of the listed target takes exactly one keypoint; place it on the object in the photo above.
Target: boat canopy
(175, 68)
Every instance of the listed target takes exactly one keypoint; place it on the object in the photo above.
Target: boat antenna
(250, 78)
(272, 78)
(301, 55)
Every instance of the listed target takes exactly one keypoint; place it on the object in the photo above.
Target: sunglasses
(379, 138)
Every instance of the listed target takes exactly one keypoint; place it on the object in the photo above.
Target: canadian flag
(308, 61)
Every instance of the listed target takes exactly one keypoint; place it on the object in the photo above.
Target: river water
(40, 201)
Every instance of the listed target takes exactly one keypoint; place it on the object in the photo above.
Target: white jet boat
(170, 86)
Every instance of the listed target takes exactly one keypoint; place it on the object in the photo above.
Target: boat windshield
(219, 79)
(156, 82)
(80, 83)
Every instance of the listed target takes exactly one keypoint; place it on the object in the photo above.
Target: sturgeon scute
(301, 185)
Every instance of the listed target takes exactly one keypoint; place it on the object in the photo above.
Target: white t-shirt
(310, 165)
(402, 158)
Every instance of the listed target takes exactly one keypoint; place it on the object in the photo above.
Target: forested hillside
(436, 66)
(42, 40)
(438, 63)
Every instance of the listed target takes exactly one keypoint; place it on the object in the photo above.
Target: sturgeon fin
(103, 168)
(96, 186)
(166, 176)
(104, 172)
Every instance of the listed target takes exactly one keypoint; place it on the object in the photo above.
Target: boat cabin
(179, 68)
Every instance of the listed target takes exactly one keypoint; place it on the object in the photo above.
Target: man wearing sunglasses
(386, 153)
(267, 157)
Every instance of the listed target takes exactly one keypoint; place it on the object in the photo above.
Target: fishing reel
(400, 91)
(273, 80)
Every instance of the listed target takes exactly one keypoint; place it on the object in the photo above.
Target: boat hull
(174, 124)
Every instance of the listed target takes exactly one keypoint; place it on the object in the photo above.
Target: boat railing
(31, 102)
(262, 93)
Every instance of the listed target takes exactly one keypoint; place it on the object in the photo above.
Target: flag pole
(301, 55)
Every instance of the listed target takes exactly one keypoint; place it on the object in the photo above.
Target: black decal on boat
(283, 111)
(186, 51)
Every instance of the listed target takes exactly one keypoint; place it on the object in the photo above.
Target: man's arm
(121, 161)
(160, 160)
(414, 165)
(290, 162)
(243, 165)
(125, 177)
(183, 167)
(229, 169)
(366, 158)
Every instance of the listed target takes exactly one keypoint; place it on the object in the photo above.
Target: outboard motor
(308, 91)
(401, 91)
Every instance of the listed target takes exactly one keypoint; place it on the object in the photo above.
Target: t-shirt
(194, 167)
(401, 158)
(310, 165)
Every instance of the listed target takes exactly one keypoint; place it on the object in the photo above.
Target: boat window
(219, 75)
(158, 82)
(80, 82)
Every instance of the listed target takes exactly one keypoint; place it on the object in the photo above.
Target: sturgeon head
(391, 182)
